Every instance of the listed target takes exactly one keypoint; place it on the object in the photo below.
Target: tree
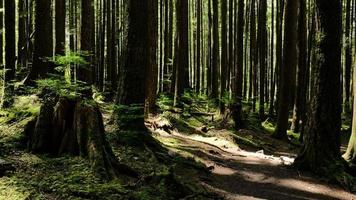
(10, 40)
(237, 110)
(300, 98)
(262, 40)
(85, 72)
(321, 151)
(199, 49)
(43, 42)
(253, 53)
(21, 43)
(152, 68)
(224, 53)
(131, 91)
(288, 70)
(215, 53)
(350, 154)
(1, 34)
(181, 60)
(348, 57)
(60, 21)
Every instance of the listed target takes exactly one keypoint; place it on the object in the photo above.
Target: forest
(177, 99)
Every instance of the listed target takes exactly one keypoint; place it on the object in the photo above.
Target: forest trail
(250, 174)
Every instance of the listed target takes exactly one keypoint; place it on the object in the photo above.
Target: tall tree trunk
(224, 53)
(237, 107)
(288, 71)
(262, 38)
(85, 72)
(348, 57)
(272, 79)
(321, 152)
(253, 49)
(10, 45)
(209, 47)
(215, 53)
(182, 50)
(114, 52)
(231, 44)
(300, 98)
(109, 48)
(199, 49)
(43, 44)
(279, 47)
(350, 154)
(1, 34)
(21, 43)
(131, 95)
(152, 68)
(60, 27)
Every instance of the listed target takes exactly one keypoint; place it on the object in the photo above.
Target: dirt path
(240, 174)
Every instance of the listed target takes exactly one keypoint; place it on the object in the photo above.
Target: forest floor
(251, 173)
(209, 161)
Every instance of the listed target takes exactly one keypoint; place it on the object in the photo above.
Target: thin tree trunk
(215, 53)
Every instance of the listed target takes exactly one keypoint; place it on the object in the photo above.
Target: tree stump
(75, 127)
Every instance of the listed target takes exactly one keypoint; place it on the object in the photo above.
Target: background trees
(247, 56)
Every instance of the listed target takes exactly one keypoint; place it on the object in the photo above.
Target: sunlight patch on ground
(314, 188)
(221, 170)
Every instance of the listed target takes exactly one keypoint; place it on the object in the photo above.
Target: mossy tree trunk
(321, 152)
(350, 154)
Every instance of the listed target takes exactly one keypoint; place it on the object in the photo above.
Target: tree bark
(215, 53)
(224, 54)
(321, 152)
(182, 51)
(60, 27)
(73, 126)
(237, 107)
(152, 70)
(348, 57)
(10, 45)
(85, 73)
(262, 38)
(300, 98)
(288, 71)
(43, 42)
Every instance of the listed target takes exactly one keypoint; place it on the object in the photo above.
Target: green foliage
(226, 99)
(164, 102)
(61, 87)
(70, 58)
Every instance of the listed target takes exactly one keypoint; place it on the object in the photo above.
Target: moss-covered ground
(195, 131)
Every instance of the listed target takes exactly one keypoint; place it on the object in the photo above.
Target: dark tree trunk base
(74, 126)
(7, 98)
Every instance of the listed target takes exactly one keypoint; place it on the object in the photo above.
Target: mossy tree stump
(75, 126)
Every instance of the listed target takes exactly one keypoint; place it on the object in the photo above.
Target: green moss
(63, 178)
